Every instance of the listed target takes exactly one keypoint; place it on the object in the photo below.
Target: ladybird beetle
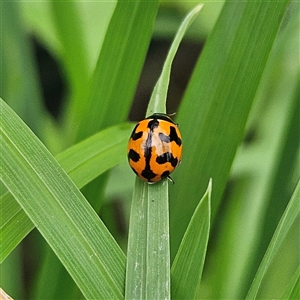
(154, 148)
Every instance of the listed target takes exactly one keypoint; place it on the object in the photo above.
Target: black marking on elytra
(163, 158)
(165, 174)
(133, 155)
(153, 124)
(134, 129)
(174, 161)
(147, 172)
(171, 137)
(167, 157)
(137, 135)
(174, 137)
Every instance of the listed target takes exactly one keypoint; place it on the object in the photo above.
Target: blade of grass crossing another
(291, 213)
(148, 255)
(83, 162)
(59, 211)
(188, 263)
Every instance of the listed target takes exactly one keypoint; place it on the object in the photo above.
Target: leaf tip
(198, 7)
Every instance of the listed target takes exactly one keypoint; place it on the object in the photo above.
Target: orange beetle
(155, 148)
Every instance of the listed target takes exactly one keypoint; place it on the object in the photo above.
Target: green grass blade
(73, 53)
(95, 155)
(289, 217)
(148, 255)
(15, 225)
(188, 263)
(292, 290)
(118, 67)
(59, 211)
(70, 35)
(157, 102)
(115, 77)
(217, 102)
(148, 263)
(260, 184)
(21, 91)
(83, 162)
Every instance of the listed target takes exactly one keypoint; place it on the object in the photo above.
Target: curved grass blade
(188, 264)
(59, 211)
(148, 255)
(291, 213)
(83, 162)
(159, 95)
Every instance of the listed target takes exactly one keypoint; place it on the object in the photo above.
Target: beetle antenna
(171, 179)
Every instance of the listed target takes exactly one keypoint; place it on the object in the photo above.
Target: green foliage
(148, 255)
(83, 162)
(239, 119)
(60, 212)
(188, 263)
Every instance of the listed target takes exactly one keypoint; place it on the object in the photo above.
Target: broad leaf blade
(59, 211)
(73, 52)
